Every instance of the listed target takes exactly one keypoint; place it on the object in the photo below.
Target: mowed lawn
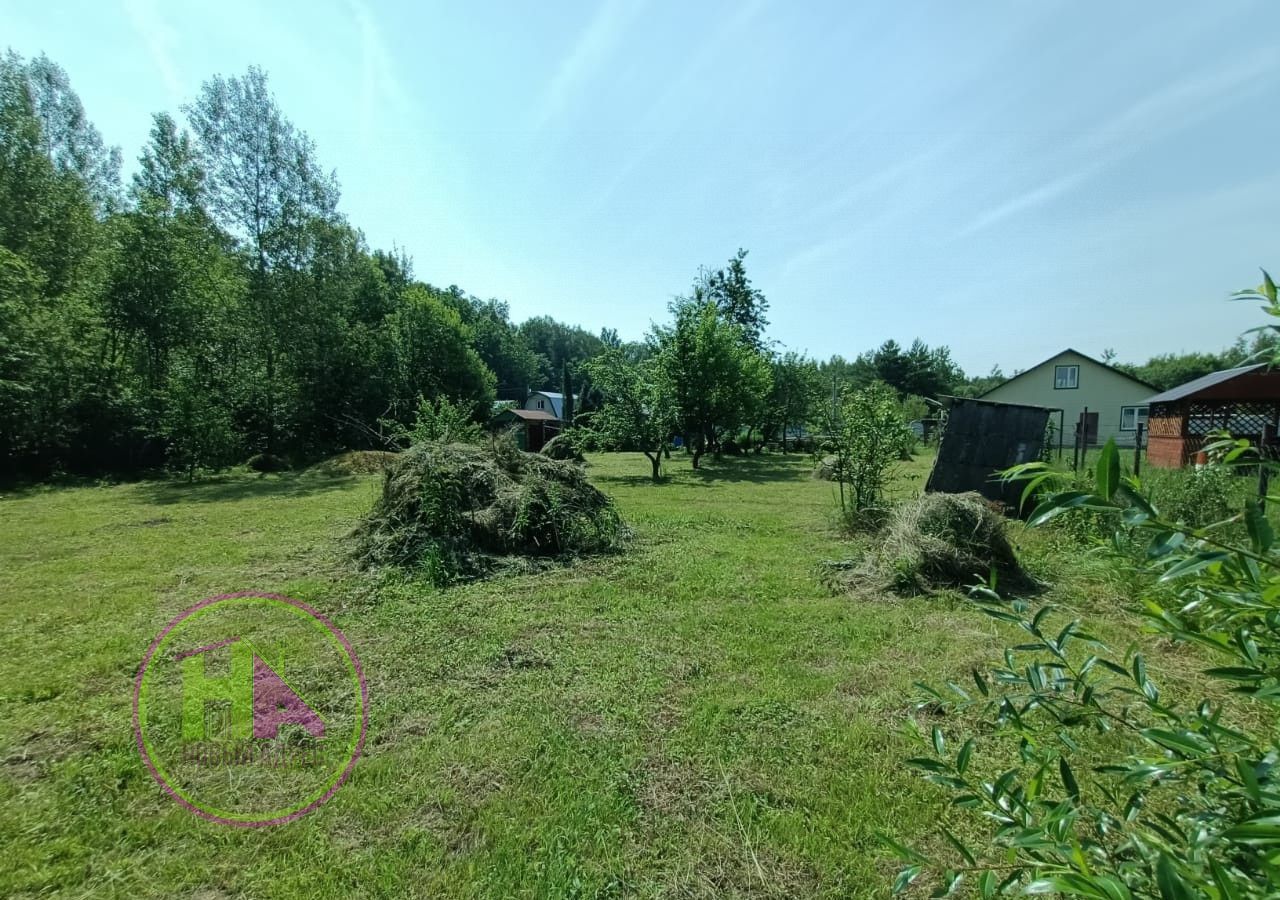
(698, 717)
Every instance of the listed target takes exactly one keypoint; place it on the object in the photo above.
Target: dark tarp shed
(982, 438)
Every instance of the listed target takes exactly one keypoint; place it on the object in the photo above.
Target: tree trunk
(655, 460)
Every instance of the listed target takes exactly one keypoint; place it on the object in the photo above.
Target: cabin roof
(1196, 385)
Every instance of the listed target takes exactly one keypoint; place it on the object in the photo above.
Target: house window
(1132, 416)
(542, 404)
(1066, 378)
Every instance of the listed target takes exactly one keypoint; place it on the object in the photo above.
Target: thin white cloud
(591, 50)
(1156, 117)
(379, 85)
(160, 40)
(663, 117)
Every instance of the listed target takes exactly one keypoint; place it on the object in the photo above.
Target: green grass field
(697, 717)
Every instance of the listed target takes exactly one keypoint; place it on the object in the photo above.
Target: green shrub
(563, 447)
(440, 420)
(868, 435)
(1195, 496)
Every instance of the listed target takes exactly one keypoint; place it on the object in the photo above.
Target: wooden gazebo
(1243, 401)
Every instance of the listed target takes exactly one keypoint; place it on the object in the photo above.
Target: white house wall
(1101, 390)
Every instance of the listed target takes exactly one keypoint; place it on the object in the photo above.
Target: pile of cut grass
(457, 511)
(935, 542)
(562, 447)
(356, 462)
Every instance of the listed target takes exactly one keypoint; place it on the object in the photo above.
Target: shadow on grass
(629, 480)
(221, 489)
(749, 469)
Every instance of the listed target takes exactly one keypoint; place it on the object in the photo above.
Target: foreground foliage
(1185, 802)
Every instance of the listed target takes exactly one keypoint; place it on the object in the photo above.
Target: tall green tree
(264, 187)
(735, 298)
(56, 397)
(503, 347)
(557, 343)
(434, 357)
(796, 390)
(717, 377)
(638, 407)
(69, 139)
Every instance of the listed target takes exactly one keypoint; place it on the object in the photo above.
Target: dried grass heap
(457, 511)
(825, 469)
(562, 447)
(356, 462)
(934, 542)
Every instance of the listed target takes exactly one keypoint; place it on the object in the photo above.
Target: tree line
(218, 306)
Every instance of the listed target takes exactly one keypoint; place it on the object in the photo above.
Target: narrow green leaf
(1169, 881)
(959, 847)
(1194, 563)
(1068, 778)
(905, 877)
(1179, 741)
(987, 884)
(1139, 670)
(1108, 475)
(1224, 881)
(1165, 543)
(1261, 534)
(1059, 503)
(902, 851)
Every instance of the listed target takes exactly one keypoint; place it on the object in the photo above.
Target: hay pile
(356, 462)
(457, 511)
(562, 447)
(825, 470)
(934, 542)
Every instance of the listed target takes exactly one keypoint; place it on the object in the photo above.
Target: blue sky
(1006, 178)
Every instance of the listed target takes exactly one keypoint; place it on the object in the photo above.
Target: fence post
(1137, 450)
(1264, 454)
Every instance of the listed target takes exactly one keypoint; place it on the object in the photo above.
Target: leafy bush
(868, 435)
(1174, 797)
(439, 420)
(1195, 496)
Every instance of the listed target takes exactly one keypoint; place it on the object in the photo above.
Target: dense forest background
(218, 305)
